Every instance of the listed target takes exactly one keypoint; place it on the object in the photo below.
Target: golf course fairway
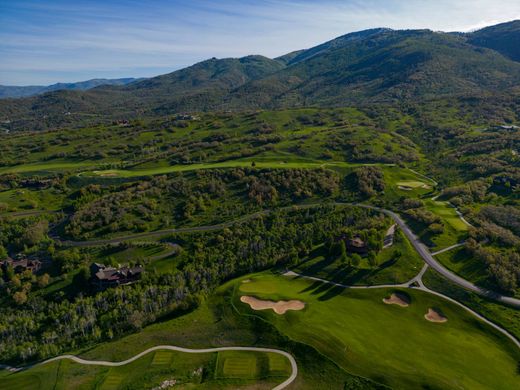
(390, 344)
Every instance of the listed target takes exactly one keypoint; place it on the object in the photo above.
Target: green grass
(237, 364)
(161, 170)
(447, 213)
(51, 166)
(505, 316)
(161, 358)
(396, 176)
(215, 323)
(460, 262)
(386, 343)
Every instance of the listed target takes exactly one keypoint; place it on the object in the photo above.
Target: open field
(349, 326)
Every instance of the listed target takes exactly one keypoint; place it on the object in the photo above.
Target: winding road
(415, 241)
(430, 260)
(283, 385)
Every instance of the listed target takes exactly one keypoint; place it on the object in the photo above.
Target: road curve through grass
(283, 385)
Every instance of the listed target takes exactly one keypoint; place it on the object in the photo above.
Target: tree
(81, 280)
(43, 281)
(3, 252)
(20, 297)
(35, 233)
(344, 259)
(372, 258)
(356, 259)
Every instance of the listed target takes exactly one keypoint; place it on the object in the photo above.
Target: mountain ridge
(370, 66)
(14, 91)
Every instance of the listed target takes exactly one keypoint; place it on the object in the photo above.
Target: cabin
(103, 277)
(21, 264)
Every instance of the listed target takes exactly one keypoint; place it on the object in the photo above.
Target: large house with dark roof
(21, 264)
(103, 277)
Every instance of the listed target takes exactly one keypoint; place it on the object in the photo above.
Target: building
(22, 264)
(103, 277)
(356, 245)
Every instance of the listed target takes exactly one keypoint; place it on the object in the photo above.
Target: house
(356, 245)
(21, 264)
(103, 277)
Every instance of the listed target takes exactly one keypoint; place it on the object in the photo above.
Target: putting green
(387, 343)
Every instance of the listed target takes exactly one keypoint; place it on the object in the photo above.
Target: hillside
(504, 38)
(7, 91)
(378, 65)
(382, 65)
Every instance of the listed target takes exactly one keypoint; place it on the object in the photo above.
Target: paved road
(416, 242)
(29, 213)
(161, 233)
(430, 260)
(287, 382)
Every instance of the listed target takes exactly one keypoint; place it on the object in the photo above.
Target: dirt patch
(279, 307)
(398, 299)
(434, 315)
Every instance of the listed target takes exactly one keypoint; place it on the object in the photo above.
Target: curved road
(284, 384)
(430, 260)
(416, 242)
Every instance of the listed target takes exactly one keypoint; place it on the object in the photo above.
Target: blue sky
(43, 42)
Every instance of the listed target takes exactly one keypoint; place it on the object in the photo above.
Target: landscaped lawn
(390, 344)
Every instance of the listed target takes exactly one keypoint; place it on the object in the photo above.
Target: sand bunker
(397, 299)
(279, 307)
(246, 281)
(435, 316)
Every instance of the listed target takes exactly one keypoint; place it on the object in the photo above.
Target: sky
(44, 42)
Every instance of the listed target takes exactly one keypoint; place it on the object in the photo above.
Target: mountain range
(12, 91)
(372, 66)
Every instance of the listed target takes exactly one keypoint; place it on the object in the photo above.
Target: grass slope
(389, 344)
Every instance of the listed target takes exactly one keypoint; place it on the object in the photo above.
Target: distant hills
(371, 66)
(7, 91)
